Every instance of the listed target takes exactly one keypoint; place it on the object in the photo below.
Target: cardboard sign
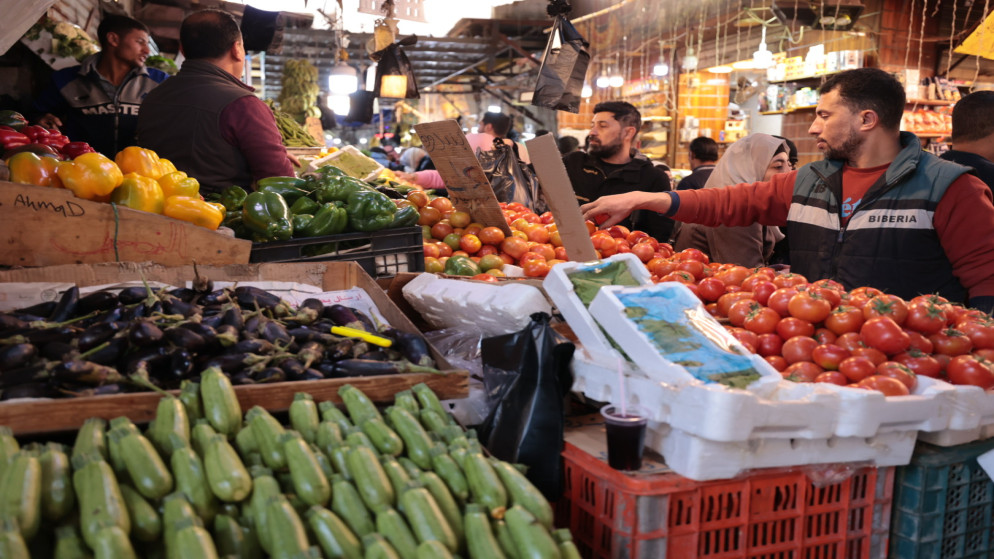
(313, 126)
(558, 190)
(464, 178)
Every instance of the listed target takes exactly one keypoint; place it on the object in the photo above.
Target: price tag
(313, 127)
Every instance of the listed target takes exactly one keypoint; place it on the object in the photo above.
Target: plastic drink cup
(625, 436)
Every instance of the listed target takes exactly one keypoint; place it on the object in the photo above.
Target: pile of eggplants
(108, 342)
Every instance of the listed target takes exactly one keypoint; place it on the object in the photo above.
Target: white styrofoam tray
(711, 348)
(560, 289)
(971, 416)
(709, 410)
(865, 413)
(702, 459)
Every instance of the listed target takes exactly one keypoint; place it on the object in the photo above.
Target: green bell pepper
(329, 220)
(287, 187)
(304, 205)
(300, 222)
(339, 188)
(369, 210)
(233, 197)
(267, 215)
(461, 266)
(406, 216)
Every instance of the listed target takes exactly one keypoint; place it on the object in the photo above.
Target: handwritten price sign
(465, 180)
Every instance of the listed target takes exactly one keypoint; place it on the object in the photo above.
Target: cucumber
(90, 438)
(405, 399)
(426, 518)
(146, 526)
(330, 412)
(145, 467)
(484, 485)
(383, 437)
(433, 550)
(370, 478)
(309, 481)
(57, 496)
(68, 544)
(286, 531)
(335, 538)
(221, 407)
(192, 540)
(98, 493)
(267, 431)
(191, 480)
(12, 544)
(567, 548)
(200, 434)
(20, 492)
(450, 472)
(446, 503)
(329, 433)
(394, 528)
(531, 539)
(523, 493)
(377, 547)
(170, 419)
(416, 439)
(226, 474)
(189, 395)
(398, 476)
(480, 539)
(304, 416)
(264, 488)
(359, 406)
(427, 399)
(347, 504)
(112, 542)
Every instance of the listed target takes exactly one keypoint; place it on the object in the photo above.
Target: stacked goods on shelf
(205, 481)
(928, 122)
(299, 90)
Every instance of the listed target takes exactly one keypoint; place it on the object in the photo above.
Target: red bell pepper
(34, 132)
(11, 138)
(72, 150)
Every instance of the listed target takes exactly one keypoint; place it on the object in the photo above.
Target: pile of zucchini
(205, 481)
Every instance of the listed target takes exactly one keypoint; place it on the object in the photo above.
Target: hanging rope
(952, 33)
(983, 30)
(911, 27)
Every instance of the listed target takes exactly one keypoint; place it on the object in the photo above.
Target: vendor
(205, 120)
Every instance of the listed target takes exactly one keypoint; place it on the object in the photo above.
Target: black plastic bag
(392, 61)
(564, 67)
(526, 425)
(361, 106)
(510, 178)
(262, 30)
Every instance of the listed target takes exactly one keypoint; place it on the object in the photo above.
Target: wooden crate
(50, 226)
(42, 415)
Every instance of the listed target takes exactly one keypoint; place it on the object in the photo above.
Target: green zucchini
(114, 453)
(228, 536)
(427, 399)
(450, 472)
(192, 540)
(531, 539)
(446, 503)
(398, 476)
(112, 542)
(145, 467)
(503, 535)
(323, 461)
(264, 488)
(91, 438)
(523, 493)
(176, 509)
(146, 526)
(189, 395)
(68, 544)
(304, 416)
(267, 431)
(416, 439)
(377, 547)
(359, 406)
(8, 446)
(191, 480)
(12, 544)
(370, 478)
(406, 400)
(286, 530)
(170, 419)
(348, 505)
(426, 519)
(98, 493)
(336, 539)
(567, 547)
(221, 407)
(201, 433)
(484, 485)
(410, 467)
(328, 433)
(226, 474)
(330, 412)
(434, 422)
(337, 455)
(309, 481)
(245, 442)
(391, 525)
(57, 496)
(433, 549)
(20, 492)
(383, 437)
(480, 539)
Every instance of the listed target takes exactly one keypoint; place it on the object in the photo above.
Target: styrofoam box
(492, 308)
(559, 288)
(709, 410)
(609, 311)
(865, 413)
(351, 150)
(971, 417)
(702, 459)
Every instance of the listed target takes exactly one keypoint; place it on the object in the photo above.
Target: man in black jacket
(612, 165)
(973, 135)
(703, 157)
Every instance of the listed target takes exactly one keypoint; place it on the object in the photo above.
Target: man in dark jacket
(973, 135)
(703, 157)
(97, 102)
(611, 165)
(205, 120)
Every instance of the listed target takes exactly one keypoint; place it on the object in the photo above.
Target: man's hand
(610, 210)
(406, 177)
(293, 159)
(49, 121)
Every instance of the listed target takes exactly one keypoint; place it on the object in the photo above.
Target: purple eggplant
(177, 306)
(412, 346)
(369, 368)
(97, 334)
(98, 301)
(269, 374)
(144, 333)
(17, 355)
(30, 390)
(41, 310)
(344, 316)
(132, 295)
(110, 353)
(57, 351)
(274, 332)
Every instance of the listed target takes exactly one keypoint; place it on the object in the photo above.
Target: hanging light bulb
(661, 68)
(617, 79)
(343, 79)
(690, 60)
(762, 58)
(604, 78)
(587, 91)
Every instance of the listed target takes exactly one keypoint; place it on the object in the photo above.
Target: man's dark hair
(791, 149)
(973, 117)
(208, 34)
(704, 148)
(500, 121)
(624, 112)
(122, 25)
(870, 89)
(568, 144)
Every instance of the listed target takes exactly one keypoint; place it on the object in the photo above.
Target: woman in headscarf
(756, 157)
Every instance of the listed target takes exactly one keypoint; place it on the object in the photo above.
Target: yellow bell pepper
(178, 184)
(139, 193)
(28, 168)
(91, 176)
(167, 166)
(193, 210)
(220, 207)
(145, 162)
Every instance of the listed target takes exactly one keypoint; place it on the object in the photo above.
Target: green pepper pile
(325, 202)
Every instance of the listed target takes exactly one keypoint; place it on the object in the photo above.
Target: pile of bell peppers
(326, 202)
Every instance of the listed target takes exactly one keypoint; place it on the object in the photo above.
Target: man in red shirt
(876, 211)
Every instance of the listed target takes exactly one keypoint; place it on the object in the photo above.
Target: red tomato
(790, 327)
(925, 318)
(883, 333)
(985, 353)
(536, 268)
(888, 386)
(726, 300)
(849, 340)
(789, 280)
(887, 305)
(898, 371)
(693, 267)
(980, 332)
(660, 266)
(779, 299)
(919, 341)
(763, 290)
(857, 368)
(824, 336)
(810, 306)
(951, 342)
(734, 275)
(844, 318)
(643, 251)
(871, 353)
(970, 369)
(798, 349)
(920, 363)
(710, 289)
(692, 254)
(761, 320)
(485, 277)
(750, 283)
(829, 356)
(832, 296)
(635, 236)
(749, 339)
(678, 276)
(777, 362)
(769, 344)
(832, 377)
(802, 371)
(830, 284)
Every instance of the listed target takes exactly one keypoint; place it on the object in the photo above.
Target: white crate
(710, 410)
(701, 459)
(971, 416)
(559, 288)
(865, 413)
(347, 151)
(719, 350)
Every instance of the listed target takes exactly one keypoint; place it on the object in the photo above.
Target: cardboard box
(41, 415)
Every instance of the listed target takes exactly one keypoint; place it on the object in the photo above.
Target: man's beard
(604, 150)
(845, 151)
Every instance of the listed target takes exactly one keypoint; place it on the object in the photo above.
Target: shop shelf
(769, 513)
(381, 254)
(943, 504)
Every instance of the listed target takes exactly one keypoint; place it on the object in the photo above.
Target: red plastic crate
(771, 514)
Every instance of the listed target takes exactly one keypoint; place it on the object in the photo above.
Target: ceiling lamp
(587, 91)
(723, 69)
(744, 65)
(343, 79)
(762, 58)
(661, 68)
(690, 60)
(604, 79)
(831, 15)
(616, 79)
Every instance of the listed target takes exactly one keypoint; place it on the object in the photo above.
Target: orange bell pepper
(28, 168)
(178, 184)
(139, 193)
(91, 176)
(167, 166)
(145, 162)
(193, 210)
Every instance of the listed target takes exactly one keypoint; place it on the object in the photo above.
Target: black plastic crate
(381, 254)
